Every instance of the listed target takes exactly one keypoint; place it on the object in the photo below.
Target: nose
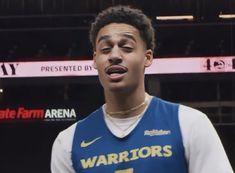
(115, 57)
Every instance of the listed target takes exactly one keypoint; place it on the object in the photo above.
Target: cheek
(100, 63)
(101, 71)
(137, 66)
(101, 78)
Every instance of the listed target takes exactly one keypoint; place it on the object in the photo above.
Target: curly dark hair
(127, 15)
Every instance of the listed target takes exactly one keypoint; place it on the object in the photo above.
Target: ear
(148, 57)
(94, 60)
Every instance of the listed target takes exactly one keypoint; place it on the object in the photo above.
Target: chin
(120, 88)
(116, 87)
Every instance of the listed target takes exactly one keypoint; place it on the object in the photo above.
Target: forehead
(118, 30)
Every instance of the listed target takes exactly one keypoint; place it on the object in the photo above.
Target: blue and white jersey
(168, 138)
(155, 145)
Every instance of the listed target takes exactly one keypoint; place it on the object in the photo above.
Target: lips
(115, 69)
(116, 72)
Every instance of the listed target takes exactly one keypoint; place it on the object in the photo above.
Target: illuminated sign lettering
(8, 69)
(23, 113)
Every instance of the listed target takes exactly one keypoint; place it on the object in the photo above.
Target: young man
(134, 132)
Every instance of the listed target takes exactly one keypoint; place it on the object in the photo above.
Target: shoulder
(164, 106)
(186, 114)
(190, 114)
(61, 151)
(65, 137)
(191, 119)
(198, 134)
(160, 101)
(193, 125)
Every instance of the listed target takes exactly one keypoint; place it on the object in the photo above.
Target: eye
(127, 49)
(105, 49)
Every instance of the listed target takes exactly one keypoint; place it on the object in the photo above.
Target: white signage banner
(85, 68)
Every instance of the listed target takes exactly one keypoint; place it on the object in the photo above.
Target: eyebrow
(106, 37)
(129, 36)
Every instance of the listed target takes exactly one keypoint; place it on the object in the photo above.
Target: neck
(126, 105)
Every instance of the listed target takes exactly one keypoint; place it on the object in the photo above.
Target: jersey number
(130, 170)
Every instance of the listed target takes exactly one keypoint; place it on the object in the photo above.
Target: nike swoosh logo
(86, 144)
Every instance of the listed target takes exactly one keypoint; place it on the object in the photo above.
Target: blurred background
(55, 30)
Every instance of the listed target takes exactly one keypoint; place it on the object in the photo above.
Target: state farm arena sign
(22, 113)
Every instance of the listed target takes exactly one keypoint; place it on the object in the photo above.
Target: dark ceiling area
(58, 29)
